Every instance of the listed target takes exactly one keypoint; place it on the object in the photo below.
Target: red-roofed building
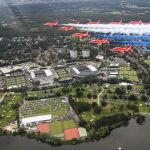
(71, 134)
(43, 128)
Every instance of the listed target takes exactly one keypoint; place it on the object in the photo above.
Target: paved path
(1, 100)
(98, 98)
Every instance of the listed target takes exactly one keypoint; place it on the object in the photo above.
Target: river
(132, 137)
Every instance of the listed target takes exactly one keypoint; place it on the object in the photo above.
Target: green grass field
(69, 124)
(43, 93)
(63, 75)
(126, 72)
(7, 113)
(147, 61)
(56, 128)
(112, 108)
(15, 81)
(93, 89)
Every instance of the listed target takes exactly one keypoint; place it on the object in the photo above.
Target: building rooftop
(82, 132)
(35, 119)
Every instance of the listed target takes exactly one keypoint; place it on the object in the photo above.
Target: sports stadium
(43, 77)
(84, 70)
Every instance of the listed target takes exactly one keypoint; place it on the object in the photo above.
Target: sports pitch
(63, 75)
(58, 127)
(16, 81)
(126, 72)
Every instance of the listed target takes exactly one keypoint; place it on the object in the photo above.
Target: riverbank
(123, 136)
(96, 131)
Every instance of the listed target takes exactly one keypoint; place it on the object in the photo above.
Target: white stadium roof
(48, 72)
(35, 119)
(92, 68)
(76, 70)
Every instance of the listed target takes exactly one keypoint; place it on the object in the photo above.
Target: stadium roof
(29, 120)
(6, 70)
(71, 134)
(76, 70)
(92, 68)
(48, 72)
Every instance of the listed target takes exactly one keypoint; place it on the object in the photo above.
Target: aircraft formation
(129, 34)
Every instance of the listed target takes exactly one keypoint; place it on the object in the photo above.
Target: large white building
(85, 53)
(73, 53)
(84, 70)
(43, 77)
(27, 122)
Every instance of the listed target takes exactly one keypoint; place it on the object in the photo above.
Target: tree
(79, 93)
(82, 123)
(115, 97)
(103, 103)
(58, 94)
(83, 107)
(15, 106)
(130, 106)
(119, 91)
(129, 87)
(94, 96)
(97, 109)
(140, 119)
(89, 95)
(144, 98)
(132, 97)
(94, 104)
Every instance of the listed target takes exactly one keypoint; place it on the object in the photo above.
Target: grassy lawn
(147, 61)
(69, 124)
(56, 107)
(1, 94)
(56, 128)
(126, 72)
(114, 106)
(8, 114)
(43, 93)
(93, 89)
(143, 107)
(138, 87)
(106, 111)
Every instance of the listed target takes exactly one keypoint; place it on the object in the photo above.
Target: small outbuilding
(82, 132)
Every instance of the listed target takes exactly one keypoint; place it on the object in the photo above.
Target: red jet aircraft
(123, 50)
(80, 35)
(66, 29)
(99, 42)
(136, 22)
(52, 24)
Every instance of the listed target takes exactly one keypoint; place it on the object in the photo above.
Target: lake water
(132, 137)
